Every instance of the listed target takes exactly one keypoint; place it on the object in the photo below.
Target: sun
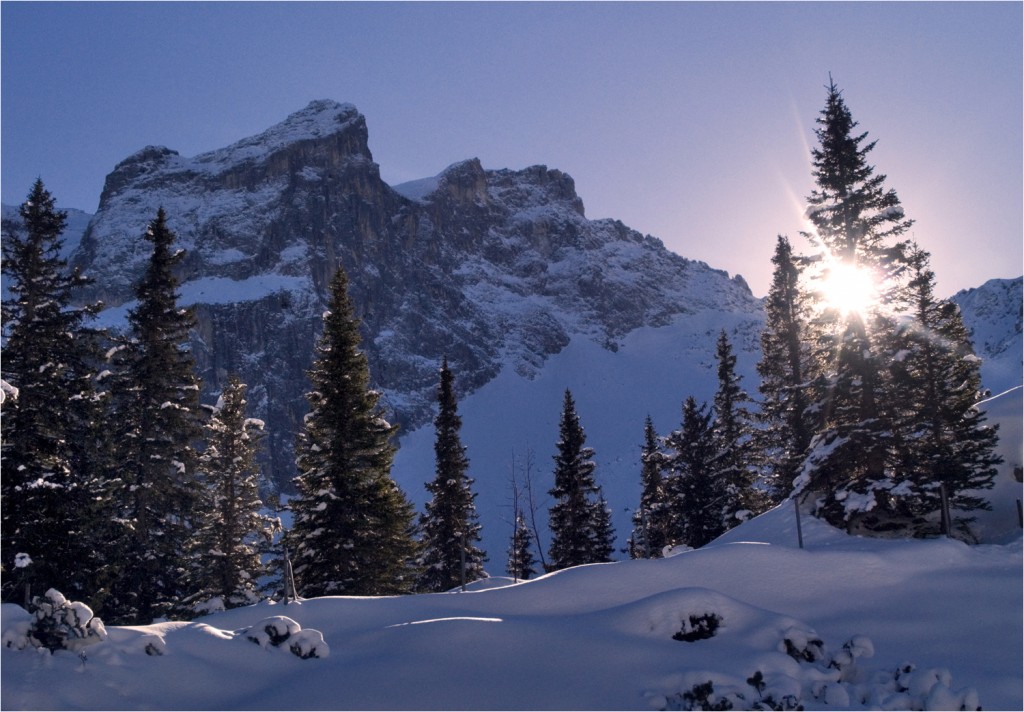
(848, 288)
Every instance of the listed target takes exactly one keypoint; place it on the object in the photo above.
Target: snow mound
(276, 631)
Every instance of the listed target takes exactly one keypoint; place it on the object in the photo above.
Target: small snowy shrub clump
(281, 631)
(55, 623)
(698, 627)
(820, 680)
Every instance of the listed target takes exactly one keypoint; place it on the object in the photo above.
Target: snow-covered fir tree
(733, 435)
(156, 420)
(450, 526)
(857, 226)
(786, 420)
(696, 495)
(579, 519)
(353, 526)
(521, 562)
(941, 435)
(651, 520)
(50, 458)
(233, 532)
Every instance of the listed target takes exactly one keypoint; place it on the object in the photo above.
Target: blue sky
(689, 121)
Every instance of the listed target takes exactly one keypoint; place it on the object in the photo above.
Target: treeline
(868, 384)
(122, 490)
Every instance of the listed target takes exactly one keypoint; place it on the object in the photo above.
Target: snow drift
(845, 623)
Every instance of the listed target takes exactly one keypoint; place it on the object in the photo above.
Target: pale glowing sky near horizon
(691, 122)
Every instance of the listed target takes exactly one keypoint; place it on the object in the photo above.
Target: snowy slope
(651, 373)
(596, 637)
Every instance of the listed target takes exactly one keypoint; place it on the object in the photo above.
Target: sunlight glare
(849, 288)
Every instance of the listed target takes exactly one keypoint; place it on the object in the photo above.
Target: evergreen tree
(579, 518)
(696, 495)
(158, 419)
(857, 223)
(353, 526)
(49, 459)
(450, 525)
(651, 531)
(233, 533)
(787, 422)
(733, 435)
(942, 436)
(520, 558)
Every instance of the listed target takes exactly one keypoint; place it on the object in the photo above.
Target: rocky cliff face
(993, 314)
(495, 268)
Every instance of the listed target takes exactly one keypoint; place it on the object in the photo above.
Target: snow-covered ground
(595, 637)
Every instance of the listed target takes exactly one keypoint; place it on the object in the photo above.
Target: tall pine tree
(579, 519)
(733, 435)
(858, 223)
(787, 422)
(942, 435)
(451, 529)
(651, 531)
(158, 420)
(353, 527)
(49, 456)
(233, 533)
(696, 496)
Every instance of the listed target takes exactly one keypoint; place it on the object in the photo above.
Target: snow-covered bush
(152, 644)
(58, 623)
(276, 631)
(802, 645)
(16, 622)
(819, 680)
(698, 627)
(308, 643)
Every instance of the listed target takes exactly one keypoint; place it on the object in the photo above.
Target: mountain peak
(339, 129)
(321, 119)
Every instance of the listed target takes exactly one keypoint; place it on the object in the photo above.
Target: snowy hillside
(513, 417)
(651, 373)
(907, 625)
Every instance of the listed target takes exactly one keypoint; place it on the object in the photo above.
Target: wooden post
(647, 534)
(290, 594)
(462, 559)
(945, 509)
(799, 529)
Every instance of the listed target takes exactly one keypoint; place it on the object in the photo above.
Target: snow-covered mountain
(498, 269)
(993, 314)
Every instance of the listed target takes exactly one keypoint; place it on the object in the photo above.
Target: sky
(692, 122)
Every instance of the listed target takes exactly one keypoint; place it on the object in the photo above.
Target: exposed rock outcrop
(495, 268)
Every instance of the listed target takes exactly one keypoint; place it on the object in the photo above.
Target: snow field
(925, 624)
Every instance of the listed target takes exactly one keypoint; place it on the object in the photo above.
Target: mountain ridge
(493, 268)
(497, 269)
